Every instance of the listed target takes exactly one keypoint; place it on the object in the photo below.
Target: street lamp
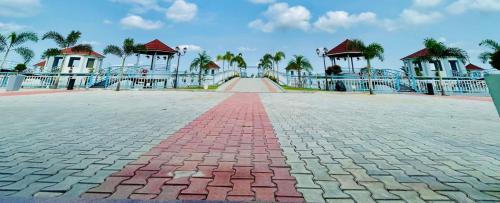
(322, 53)
(179, 54)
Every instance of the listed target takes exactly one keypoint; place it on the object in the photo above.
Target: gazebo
(157, 49)
(344, 51)
(212, 68)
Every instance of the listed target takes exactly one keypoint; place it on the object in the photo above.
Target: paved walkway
(229, 153)
(255, 85)
(318, 147)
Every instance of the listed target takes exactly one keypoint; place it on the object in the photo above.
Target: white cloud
(141, 6)
(246, 49)
(334, 20)
(191, 47)
(280, 16)
(10, 27)
(135, 21)
(414, 17)
(262, 1)
(426, 3)
(461, 6)
(19, 8)
(182, 11)
(107, 22)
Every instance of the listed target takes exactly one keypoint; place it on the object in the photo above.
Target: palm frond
(82, 48)
(458, 53)
(356, 44)
(278, 56)
(25, 37)
(374, 50)
(26, 53)
(485, 56)
(3, 43)
(492, 44)
(58, 38)
(51, 52)
(73, 38)
(112, 49)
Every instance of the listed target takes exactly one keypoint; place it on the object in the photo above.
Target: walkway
(255, 85)
(317, 147)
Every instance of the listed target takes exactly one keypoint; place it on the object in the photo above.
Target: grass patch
(210, 87)
(299, 88)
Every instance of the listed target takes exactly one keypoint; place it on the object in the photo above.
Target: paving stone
(360, 196)
(64, 185)
(77, 190)
(31, 189)
(409, 196)
(378, 191)
(347, 182)
(24, 183)
(473, 193)
(305, 181)
(457, 196)
(332, 190)
(312, 195)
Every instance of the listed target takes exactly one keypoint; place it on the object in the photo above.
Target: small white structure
(76, 62)
(212, 69)
(450, 67)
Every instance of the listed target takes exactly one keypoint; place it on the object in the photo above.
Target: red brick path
(34, 92)
(229, 153)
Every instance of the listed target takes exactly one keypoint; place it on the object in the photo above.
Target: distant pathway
(229, 153)
(255, 85)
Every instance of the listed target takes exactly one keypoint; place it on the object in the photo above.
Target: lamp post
(322, 53)
(179, 54)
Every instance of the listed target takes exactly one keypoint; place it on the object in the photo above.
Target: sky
(256, 27)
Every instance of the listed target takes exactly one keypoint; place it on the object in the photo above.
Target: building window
(435, 65)
(213, 71)
(74, 61)
(56, 62)
(90, 63)
(454, 65)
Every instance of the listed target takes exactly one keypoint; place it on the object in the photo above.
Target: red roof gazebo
(344, 51)
(418, 54)
(156, 49)
(472, 67)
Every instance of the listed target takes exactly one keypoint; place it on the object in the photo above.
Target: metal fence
(452, 86)
(127, 81)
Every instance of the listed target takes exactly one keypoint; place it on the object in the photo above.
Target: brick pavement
(60, 145)
(229, 153)
(345, 148)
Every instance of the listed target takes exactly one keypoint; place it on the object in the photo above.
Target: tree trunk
(223, 73)
(199, 77)
(277, 72)
(5, 57)
(120, 78)
(370, 85)
(300, 78)
(441, 83)
(56, 83)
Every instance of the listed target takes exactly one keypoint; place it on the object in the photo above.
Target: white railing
(50, 81)
(459, 86)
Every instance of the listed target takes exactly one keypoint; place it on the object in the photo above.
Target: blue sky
(255, 27)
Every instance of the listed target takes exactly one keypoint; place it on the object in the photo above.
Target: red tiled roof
(158, 46)
(342, 48)
(41, 63)
(417, 54)
(69, 51)
(213, 65)
(473, 67)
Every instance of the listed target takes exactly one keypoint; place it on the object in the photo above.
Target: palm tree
(265, 63)
(369, 52)
(63, 43)
(239, 61)
(128, 48)
(493, 56)
(228, 56)
(14, 41)
(299, 63)
(277, 58)
(437, 51)
(200, 63)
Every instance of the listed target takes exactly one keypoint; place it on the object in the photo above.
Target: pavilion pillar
(352, 65)
(137, 62)
(349, 64)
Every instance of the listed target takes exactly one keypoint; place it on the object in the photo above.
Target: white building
(450, 67)
(76, 62)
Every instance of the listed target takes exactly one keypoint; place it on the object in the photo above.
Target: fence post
(107, 77)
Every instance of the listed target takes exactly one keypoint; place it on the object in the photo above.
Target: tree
(63, 43)
(220, 57)
(20, 67)
(437, 51)
(128, 48)
(299, 63)
(492, 57)
(369, 52)
(277, 58)
(228, 56)
(13, 42)
(239, 61)
(200, 63)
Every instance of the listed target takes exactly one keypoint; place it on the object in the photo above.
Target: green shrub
(20, 68)
(495, 60)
